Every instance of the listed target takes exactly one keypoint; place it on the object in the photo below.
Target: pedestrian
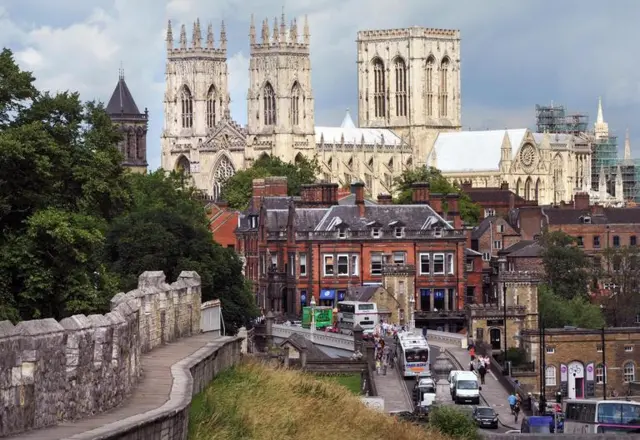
(471, 368)
(378, 366)
(483, 371)
(516, 410)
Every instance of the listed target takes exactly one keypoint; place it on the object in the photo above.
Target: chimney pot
(384, 199)
(357, 188)
(421, 193)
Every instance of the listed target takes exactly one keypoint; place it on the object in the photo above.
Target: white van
(466, 388)
(452, 380)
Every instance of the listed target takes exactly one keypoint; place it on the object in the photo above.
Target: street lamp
(412, 304)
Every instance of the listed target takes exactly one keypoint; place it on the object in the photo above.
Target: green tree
(167, 229)
(60, 184)
(237, 190)
(469, 211)
(567, 267)
(557, 311)
(621, 271)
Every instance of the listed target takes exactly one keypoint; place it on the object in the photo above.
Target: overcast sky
(515, 53)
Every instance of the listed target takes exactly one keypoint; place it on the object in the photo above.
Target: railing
(334, 340)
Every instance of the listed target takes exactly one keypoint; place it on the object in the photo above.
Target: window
(342, 233)
(616, 241)
(500, 228)
(580, 241)
(438, 263)
(401, 290)
(376, 263)
(379, 89)
(430, 63)
(599, 348)
(375, 233)
(550, 350)
(628, 348)
(399, 257)
(468, 267)
(497, 244)
(399, 232)
(596, 241)
(629, 372)
(550, 376)
(186, 101)
(444, 96)
(450, 264)
(303, 298)
(269, 105)
(424, 264)
(274, 262)
(633, 240)
(355, 268)
(437, 232)
(489, 212)
(343, 265)
(211, 107)
(486, 256)
(303, 264)
(292, 265)
(295, 104)
(328, 265)
(401, 87)
(600, 374)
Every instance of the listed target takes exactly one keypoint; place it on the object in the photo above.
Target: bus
(324, 317)
(599, 416)
(412, 354)
(351, 313)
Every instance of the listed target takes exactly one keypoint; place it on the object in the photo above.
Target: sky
(515, 54)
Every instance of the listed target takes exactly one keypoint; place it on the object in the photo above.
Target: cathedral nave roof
(354, 135)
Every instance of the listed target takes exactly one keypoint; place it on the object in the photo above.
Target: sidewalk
(393, 390)
(151, 393)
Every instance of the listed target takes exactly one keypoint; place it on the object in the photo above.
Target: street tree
(567, 267)
(621, 273)
(557, 311)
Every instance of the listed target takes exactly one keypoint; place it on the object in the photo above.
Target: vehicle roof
(601, 401)
(484, 407)
(466, 374)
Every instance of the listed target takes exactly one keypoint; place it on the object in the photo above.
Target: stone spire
(293, 31)
(223, 36)
(602, 185)
(600, 117)
(283, 28)
(627, 146)
(197, 35)
(275, 29)
(210, 36)
(265, 32)
(306, 33)
(169, 36)
(601, 128)
(252, 31)
(619, 189)
(183, 37)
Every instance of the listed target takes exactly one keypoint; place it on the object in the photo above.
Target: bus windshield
(619, 413)
(363, 307)
(467, 385)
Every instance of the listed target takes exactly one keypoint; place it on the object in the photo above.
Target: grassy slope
(351, 381)
(253, 401)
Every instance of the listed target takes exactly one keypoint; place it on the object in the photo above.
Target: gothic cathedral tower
(196, 99)
(280, 119)
(409, 82)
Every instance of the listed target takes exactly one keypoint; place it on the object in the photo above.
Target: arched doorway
(576, 380)
(495, 338)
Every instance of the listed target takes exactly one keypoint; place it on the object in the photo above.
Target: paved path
(151, 393)
(392, 389)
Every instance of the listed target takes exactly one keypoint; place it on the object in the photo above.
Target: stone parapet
(56, 371)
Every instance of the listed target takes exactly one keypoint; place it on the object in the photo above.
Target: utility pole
(604, 365)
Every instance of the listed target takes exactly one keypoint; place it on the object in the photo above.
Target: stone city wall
(53, 371)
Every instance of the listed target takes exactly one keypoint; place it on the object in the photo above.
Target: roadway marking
(493, 375)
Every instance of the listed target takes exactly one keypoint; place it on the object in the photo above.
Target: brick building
(223, 222)
(295, 248)
(495, 202)
(577, 363)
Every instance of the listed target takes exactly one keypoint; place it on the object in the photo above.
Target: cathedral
(408, 93)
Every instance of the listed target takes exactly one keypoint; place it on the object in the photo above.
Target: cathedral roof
(473, 150)
(122, 101)
(353, 135)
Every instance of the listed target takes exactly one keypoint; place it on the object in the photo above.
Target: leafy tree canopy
(566, 265)
(237, 190)
(469, 211)
(621, 270)
(557, 311)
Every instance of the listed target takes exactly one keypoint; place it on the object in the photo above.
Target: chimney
(436, 203)
(453, 211)
(466, 185)
(309, 195)
(581, 201)
(504, 185)
(329, 193)
(597, 209)
(357, 188)
(258, 193)
(384, 199)
(421, 193)
(275, 186)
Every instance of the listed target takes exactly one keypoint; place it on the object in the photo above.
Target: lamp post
(312, 303)
(412, 304)
(504, 317)
(604, 365)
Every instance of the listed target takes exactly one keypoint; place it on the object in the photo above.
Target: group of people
(384, 355)
(515, 402)
(479, 364)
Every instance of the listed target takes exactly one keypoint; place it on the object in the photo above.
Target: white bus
(351, 313)
(598, 416)
(412, 354)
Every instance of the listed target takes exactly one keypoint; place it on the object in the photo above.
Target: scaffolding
(555, 119)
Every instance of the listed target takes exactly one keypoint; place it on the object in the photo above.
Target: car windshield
(486, 412)
(467, 385)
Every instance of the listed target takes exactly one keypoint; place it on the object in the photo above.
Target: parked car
(485, 417)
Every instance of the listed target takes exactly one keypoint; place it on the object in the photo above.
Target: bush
(454, 423)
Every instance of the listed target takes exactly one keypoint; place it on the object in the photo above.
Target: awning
(327, 294)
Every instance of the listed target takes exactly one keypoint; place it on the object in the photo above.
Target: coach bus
(599, 416)
(412, 354)
(351, 313)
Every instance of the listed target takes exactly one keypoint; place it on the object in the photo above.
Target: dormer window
(342, 233)
(586, 219)
(253, 220)
(376, 232)
(437, 232)
(399, 232)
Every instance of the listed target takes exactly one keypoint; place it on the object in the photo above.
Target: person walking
(512, 402)
(482, 370)
(516, 410)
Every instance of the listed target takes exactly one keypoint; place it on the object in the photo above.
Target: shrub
(454, 423)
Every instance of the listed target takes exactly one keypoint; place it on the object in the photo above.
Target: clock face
(528, 155)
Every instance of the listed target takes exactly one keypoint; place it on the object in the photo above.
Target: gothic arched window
(444, 92)
(131, 143)
(224, 170)
(431, 61)
(186, 101)
(401, 87)
(295, 104)
(211, 107)
(379, 89)
(183, 165)
(140, 143)
(269, 105)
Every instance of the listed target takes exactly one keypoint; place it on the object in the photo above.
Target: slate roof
(523, 249)
(362, 293)
(351, 200)
(563, 216)
(300, 342)
(487, 195)
(479, 230)
(122, 101)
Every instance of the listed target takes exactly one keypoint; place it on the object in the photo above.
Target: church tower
(280, 119)
(409, 82)
(133, 125)
(196, 97)
(601, 128)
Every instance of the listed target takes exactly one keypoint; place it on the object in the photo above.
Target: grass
(256, 401)
(350, 381)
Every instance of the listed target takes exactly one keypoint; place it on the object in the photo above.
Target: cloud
(515, 54)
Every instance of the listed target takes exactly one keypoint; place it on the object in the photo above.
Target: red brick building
(495, 202)
(295, 248)
(223, 222)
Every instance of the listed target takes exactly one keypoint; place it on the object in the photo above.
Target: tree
(621, 271)
(557, 311)
(403, 185)
(566, 265)
(237, 190)
(167, 229)
(60, 184)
